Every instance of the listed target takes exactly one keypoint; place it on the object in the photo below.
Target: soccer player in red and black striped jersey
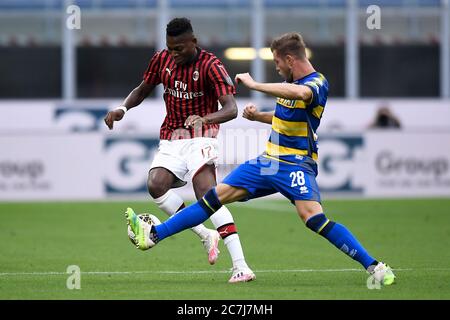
(194, 82)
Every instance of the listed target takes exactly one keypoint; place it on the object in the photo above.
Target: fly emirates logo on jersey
(180, 91)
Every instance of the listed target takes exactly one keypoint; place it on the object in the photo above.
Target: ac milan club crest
(195, 75)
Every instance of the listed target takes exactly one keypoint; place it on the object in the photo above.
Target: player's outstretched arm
(134, 99)
(280, 90)
(251, 113)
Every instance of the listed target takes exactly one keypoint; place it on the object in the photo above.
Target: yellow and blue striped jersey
(295, 122)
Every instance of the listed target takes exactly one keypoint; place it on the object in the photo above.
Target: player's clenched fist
(250, 112)
(114, 115)
(246, 79)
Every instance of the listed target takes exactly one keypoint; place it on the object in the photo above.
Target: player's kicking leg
(311, 213)
(187, 218)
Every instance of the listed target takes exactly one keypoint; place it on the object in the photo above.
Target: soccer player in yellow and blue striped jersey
(294, 122)
(287, 166)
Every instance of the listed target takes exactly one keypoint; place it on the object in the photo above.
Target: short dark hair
(178, 26)
(289, 43)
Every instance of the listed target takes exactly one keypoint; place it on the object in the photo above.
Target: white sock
(222, 217)
(170, 202)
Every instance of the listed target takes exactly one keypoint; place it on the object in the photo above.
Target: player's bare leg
(160, 182)
(223, 221)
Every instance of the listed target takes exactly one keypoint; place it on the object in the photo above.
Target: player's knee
(156, 190)
(305, 214)
(308, 209)
(157, 187)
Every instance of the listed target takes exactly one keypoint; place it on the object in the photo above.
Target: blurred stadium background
(56, 85)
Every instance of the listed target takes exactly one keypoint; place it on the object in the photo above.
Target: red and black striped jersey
(191, 89)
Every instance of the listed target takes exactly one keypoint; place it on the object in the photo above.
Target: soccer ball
(147, 218)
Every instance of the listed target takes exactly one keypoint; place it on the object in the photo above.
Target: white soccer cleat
(242, 275)
(211, 244)
(383, 274)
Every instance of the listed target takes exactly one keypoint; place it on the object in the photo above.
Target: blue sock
(188, 217)
(341, 237)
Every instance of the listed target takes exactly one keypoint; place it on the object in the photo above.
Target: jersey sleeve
(220, 80)
(152, 74)
(319, 88)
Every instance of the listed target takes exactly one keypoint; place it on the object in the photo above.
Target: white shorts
(186, 156)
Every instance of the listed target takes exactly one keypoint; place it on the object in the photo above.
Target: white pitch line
(50, 273)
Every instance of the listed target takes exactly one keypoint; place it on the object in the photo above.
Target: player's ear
(289, 60)
(194, 40)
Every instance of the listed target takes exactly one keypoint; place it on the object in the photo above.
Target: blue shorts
(264, 176)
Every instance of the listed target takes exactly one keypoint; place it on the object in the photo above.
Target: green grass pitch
(38, 241)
